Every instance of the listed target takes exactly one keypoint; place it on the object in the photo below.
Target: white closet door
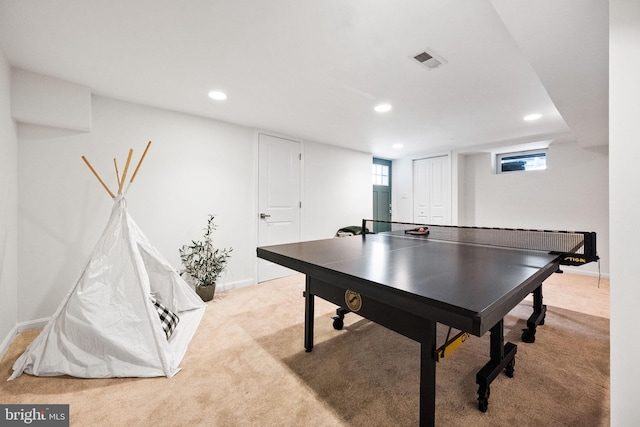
(432, 190)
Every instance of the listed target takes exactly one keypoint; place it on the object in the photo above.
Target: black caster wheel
(483, 405)
(510, 368)
(483, 399)
(528, 336)
(338, 323)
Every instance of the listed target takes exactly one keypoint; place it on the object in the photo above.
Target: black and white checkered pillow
(168, 318)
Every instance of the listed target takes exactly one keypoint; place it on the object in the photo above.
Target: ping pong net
(573, 247)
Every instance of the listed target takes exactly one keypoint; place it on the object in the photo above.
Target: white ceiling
(315, 69)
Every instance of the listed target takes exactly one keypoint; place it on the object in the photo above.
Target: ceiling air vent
(429, 59)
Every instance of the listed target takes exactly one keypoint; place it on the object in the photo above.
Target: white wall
(42, 100)
(195, 166)
(624, 204)
(8, 212)
(337, 189)
(572, 194)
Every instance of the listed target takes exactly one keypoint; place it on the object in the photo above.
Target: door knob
(264, 216)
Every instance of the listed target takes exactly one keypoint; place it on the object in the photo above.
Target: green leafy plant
(201, 260)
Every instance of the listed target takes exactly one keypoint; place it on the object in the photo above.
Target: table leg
(502, 358)
(537, 318)
(428, 376)
(308, 316)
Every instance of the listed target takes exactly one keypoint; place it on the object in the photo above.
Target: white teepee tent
(119, 319)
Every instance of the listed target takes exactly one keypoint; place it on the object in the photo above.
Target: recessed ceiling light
(397, 146)
(217, 95)
(532, 117)
(382, 108)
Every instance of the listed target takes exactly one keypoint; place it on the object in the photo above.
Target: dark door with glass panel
(381, 177)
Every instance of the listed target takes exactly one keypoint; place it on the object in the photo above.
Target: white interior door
(432, 190)
(278, 198)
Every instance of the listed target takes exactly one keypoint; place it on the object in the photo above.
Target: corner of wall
(8, 211)
(46, 101)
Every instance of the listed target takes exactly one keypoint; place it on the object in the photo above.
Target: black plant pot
(206, 292)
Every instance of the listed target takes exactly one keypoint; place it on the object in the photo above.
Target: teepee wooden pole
(140, 162)
(115, 163)
(124, 173)
(98, 176)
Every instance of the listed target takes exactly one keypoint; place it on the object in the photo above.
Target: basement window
(533, 160)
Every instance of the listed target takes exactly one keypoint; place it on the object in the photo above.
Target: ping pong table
(410, 277)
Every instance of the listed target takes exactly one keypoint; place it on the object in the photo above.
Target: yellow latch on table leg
(451, 345)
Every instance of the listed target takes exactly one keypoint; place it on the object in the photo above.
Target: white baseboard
(18, 328)
(234, 285)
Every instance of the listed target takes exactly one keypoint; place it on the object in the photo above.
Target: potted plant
(204, 263)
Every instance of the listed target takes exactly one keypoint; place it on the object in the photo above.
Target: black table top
(466, 286)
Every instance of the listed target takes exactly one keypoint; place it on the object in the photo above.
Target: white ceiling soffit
(567, 44)
(315, 70)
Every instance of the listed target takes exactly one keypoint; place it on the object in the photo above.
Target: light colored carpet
(246, 366)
